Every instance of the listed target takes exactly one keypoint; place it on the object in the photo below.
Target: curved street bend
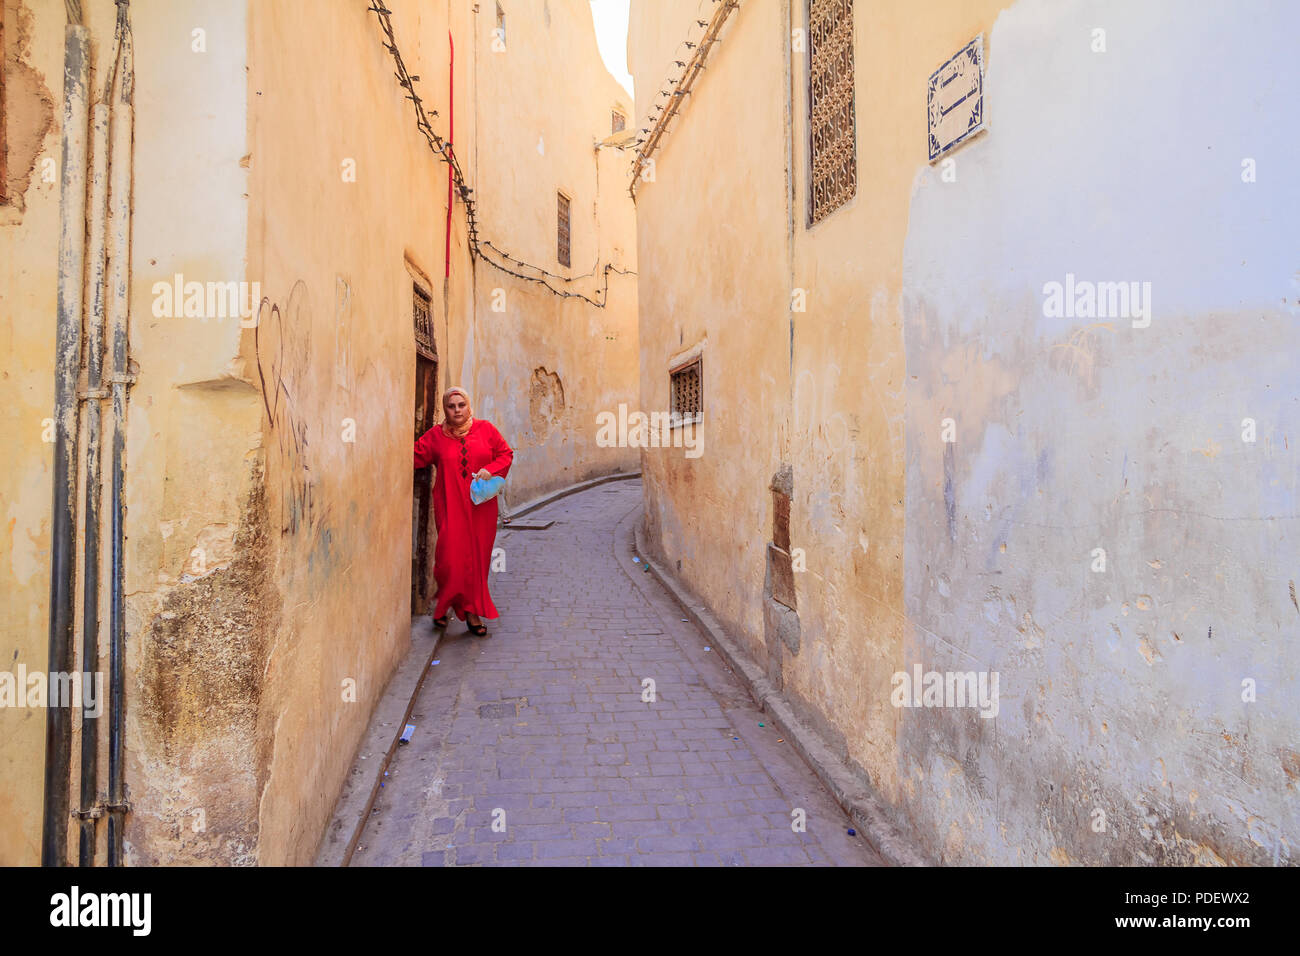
(542, 727)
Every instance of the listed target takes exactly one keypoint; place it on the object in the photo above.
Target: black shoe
(440, 622)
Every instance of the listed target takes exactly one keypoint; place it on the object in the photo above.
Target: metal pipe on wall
(121, 103)
(93, 396)
(67, 357)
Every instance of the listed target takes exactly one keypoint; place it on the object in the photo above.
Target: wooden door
(423, 532)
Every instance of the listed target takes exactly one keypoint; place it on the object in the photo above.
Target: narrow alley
(542, 723)
(871, 421)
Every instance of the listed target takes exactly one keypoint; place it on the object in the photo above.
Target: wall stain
(201, 679)
(949, 494)
(545, 402)
(28, 110)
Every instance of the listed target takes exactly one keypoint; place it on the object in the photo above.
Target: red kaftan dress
(466, 531)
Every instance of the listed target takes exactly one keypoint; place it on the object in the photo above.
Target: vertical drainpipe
(94, 395)
(451, 136)
(67, 359)
(119, 271)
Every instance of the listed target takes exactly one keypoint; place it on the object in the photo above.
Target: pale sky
(611, 36)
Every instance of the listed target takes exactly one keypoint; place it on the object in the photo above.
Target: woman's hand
(483, 474)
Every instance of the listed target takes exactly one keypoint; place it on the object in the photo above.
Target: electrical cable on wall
(679, 87)
(671, 81)
(444, 150)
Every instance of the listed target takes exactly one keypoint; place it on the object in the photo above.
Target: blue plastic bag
(481, 490)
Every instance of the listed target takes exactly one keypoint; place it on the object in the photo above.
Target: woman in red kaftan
(463, 448)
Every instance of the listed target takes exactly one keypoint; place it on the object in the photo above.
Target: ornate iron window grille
(832, 132)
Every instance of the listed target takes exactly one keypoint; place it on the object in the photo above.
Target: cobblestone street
(542, 727)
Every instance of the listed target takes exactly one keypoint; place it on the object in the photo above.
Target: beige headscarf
(468, 421)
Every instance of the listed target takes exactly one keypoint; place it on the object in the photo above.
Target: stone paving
(534, 746)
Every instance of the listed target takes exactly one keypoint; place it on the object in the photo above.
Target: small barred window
(4, 114)
(562, 229)
(687, 388)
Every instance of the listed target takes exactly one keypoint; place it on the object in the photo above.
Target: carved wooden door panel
(423, 532)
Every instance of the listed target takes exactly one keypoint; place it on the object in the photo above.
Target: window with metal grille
(501, 24)
(562, 229)
(420, 312)
(618, 123)
(687, 392)
(4, 115)
(832, 133)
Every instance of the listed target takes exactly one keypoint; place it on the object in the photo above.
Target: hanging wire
(585, 275)
(444, 150)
